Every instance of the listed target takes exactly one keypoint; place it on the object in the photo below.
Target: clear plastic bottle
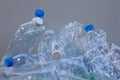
(95, 38)
(68, 36)
(22, 60)
(45, 47)
(90, 38)
(57, 49)
(68, 32)
(27, 38)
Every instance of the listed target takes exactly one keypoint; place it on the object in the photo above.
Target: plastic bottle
(68, 32)
(27, 37)
(94, 38)
(57, 49)
(45, 47)
(68, 36)
(20, 60)
(90, 38)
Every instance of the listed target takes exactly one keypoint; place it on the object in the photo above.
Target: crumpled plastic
(76, 52)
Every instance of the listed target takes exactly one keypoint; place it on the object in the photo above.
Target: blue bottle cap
(9, 62)
(89, 27)
(39, 13)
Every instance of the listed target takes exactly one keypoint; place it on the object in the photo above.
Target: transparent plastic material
(26, 38)
(77, 52)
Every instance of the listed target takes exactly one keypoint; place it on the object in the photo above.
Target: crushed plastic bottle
(26, 39)
(77, 52)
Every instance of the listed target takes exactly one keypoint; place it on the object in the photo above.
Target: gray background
(103, 14)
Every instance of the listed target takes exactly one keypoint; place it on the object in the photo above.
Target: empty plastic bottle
(45, 47)
(20, 60)
(95, 38)
(27, 37)
(57, 49)
(68, 32)
(72, 34)
(91, 39)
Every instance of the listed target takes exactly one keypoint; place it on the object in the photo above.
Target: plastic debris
(77, 52)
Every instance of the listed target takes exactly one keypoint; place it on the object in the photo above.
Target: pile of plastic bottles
(77, 52)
